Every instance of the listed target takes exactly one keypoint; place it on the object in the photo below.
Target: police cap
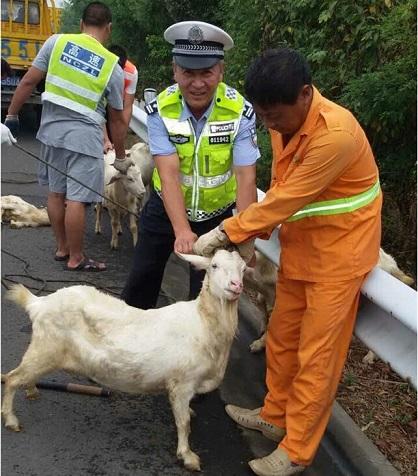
(197, 45)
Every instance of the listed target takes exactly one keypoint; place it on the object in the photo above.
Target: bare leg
(75, 219)
(56, 213)
(180, 398)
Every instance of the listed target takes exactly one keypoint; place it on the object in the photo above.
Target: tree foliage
(362, 55)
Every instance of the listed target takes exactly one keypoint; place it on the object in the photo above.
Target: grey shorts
(84, 168)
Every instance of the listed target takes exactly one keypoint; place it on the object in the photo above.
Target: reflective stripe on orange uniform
(327, 159)
(324, 261)
(130, 72)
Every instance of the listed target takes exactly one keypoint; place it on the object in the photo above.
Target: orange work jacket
(128, 71)
(329, 158)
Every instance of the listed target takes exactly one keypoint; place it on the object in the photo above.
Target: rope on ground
(18, 182)
(75, 180)
(10, 278)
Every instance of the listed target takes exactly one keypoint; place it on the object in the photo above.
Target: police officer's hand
(208, 243)
(12, 122)
(184, 242)
(122, 165)
(6, 135)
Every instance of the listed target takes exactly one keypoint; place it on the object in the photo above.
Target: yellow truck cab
(25, 25)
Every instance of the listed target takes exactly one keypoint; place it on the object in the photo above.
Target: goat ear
(249, 272)
(114, 178)
(199, 262)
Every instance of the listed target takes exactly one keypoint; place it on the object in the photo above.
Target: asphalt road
(69, 434)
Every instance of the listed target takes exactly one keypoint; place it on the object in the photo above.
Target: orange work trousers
(308, 337)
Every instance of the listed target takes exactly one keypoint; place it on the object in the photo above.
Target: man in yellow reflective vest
(82, 78)
(325, 193)
(202, 137)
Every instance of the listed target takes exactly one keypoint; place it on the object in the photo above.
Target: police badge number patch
(179, 139)
(223, 139)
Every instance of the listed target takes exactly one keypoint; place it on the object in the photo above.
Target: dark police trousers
(155, 244)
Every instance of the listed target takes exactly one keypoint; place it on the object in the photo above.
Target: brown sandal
(89, 265)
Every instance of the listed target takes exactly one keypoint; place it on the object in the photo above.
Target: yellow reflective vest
(206, 174)
(78, 72)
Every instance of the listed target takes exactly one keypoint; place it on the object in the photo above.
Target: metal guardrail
(387, 317)
(138, 122)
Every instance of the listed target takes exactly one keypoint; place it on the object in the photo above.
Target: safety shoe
(275, 464)
(251, 419)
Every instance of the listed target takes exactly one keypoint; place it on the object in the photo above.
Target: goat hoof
(32, 393)
(256, 346)
(15, 428)
(13, 424)
(191, 461)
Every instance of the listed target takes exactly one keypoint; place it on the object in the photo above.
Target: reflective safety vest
(339, 205)
(78, 72)
(206, 174)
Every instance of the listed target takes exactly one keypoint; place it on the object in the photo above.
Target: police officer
(202, 137)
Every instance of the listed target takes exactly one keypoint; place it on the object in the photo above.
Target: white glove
(122, 165)
(207, 244)
(7, 136)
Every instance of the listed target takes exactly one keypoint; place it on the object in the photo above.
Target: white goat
(142, 157)
(262, 279)
(388, 264)
(126, 189)
(181, 349)
(20, 213)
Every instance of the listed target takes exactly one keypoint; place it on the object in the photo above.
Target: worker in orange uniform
(130, 74)
(325, 193)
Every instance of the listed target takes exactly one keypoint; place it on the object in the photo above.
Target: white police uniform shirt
(245, 150)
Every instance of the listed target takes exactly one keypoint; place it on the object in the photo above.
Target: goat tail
(20, 295)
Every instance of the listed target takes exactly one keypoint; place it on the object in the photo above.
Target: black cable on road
(75, 180)
(9, 278)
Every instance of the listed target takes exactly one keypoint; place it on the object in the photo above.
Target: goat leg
(34, 364)
(133, 227)
(259, 344)
(115, 222)
(180, 397)
(98, 227)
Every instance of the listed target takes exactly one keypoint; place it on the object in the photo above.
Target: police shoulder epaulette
(151, 107)
(248, 110)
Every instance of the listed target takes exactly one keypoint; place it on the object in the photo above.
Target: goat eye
(214, 266)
